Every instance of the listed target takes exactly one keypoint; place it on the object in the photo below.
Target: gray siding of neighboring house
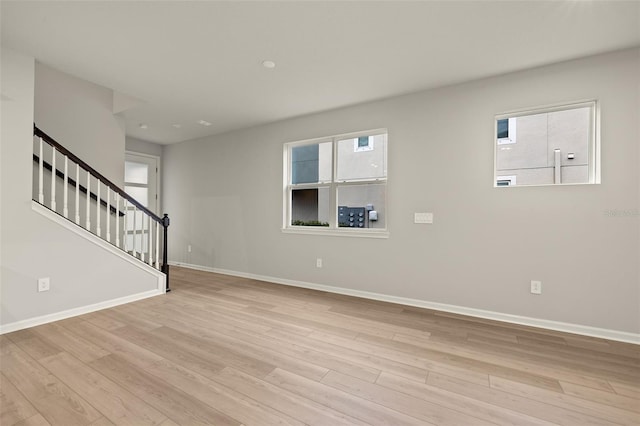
(531, 158)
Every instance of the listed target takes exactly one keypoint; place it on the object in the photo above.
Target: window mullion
(333, 204)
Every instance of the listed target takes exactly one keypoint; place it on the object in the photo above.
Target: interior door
(140, 182)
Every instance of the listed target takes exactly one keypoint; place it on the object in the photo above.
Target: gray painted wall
(143, 147)
(224, 195)
(78, 114)
(32, 246)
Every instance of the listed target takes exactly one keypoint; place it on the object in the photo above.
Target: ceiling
(189, 61)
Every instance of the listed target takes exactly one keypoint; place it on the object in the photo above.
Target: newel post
(165, 265)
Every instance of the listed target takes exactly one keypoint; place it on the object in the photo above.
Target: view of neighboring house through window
(547, 146)
(337, 182)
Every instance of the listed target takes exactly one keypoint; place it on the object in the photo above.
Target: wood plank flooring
(231, 351)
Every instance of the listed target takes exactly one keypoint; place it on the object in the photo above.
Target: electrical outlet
(189, 248)
(536, 287)
(318, 263)
(43, 284)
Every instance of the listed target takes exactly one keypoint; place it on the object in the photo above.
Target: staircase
(68, 186)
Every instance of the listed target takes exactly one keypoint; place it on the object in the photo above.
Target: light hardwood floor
(227, 351)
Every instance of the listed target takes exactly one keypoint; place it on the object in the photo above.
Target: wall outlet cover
(44, 284)
(536, 287)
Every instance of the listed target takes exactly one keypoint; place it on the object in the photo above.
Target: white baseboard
(620, 336)
(44, 319)
(111, 249)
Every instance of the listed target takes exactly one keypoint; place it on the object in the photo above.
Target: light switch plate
(423, 218)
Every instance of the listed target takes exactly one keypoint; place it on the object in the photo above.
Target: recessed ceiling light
(143, 126)
(204, 122)
(269, 64)
(177, 126)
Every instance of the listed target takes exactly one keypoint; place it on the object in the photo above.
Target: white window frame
(333, 184)
(594, 143)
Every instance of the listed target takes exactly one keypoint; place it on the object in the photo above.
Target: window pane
(551, 147)
(136, 172)
(503, 128)
(311, 163)
(362, 206)
(310, 207)
(569, 131)
(139, 194)
(362, 158)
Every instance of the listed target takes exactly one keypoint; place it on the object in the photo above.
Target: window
(506, 131)
(506, 181)
(363, 143)
(503, 128)
(336, 184)
(553, 145)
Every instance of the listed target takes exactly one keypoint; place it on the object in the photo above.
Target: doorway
(141, 182)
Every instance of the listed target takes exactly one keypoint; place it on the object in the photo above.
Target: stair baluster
(117, 220)
(88, 213)
(98, 230)
(53, 181)
(65, 190)
(77, 194)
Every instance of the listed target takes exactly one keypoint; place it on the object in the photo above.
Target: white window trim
(594, 149)
(337, 232)
(333, 230)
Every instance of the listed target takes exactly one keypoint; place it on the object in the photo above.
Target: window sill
(355, 233)
(538, 185)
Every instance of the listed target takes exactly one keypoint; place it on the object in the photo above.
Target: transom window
(336, 184)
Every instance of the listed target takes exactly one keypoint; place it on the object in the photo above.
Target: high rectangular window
(336, 184)
(553, 145)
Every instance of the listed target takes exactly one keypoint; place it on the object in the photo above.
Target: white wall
(143, 147)
(78, 115)
(32, 245)
(224, 196)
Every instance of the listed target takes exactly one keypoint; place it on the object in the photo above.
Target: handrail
(72, 182)
(94, 173)
(164, 221)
